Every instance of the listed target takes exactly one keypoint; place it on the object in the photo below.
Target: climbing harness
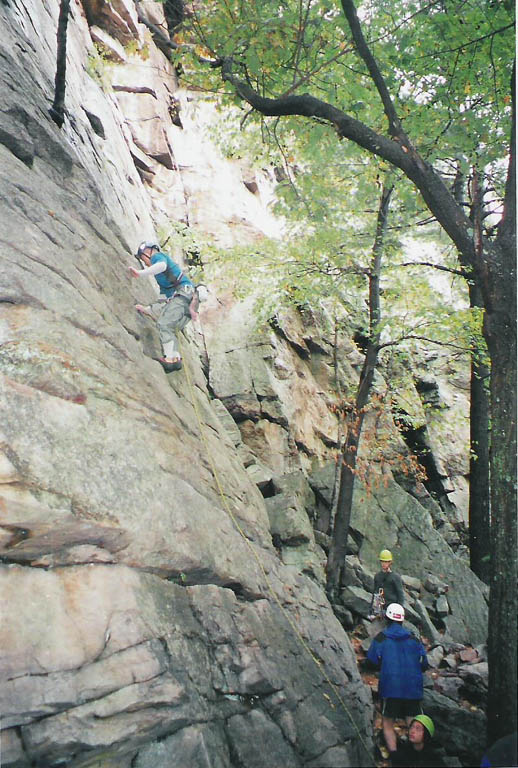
(274, 595)
(378, 606)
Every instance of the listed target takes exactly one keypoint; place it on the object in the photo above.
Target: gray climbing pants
(173, 317)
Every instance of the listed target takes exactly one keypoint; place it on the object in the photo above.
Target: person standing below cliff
(402, 660)
(418, 751)
(176, 304)
(388, 587)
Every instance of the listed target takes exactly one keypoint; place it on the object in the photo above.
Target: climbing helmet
(386, 556)
(395, 612)
(146, 244)
(427, 722)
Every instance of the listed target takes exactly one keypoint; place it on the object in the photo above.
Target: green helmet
(427, 722)
(386, 556)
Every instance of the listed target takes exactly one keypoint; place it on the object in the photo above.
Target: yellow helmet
(386, 556)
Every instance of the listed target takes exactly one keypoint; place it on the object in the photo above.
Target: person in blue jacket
(177, 302)
(401, 658)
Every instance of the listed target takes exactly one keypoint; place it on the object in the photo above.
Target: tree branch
(414, 337)
(395, 127)
(160, 38)
(306, 105)
(435, 193)
(460, 272)
(465, 45)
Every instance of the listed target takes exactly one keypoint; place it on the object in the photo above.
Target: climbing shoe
(169, 367)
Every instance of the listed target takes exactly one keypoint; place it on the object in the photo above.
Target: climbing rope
(272, 592)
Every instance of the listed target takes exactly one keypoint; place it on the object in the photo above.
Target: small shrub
(98, 67)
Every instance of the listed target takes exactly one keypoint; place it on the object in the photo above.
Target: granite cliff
(162, 540)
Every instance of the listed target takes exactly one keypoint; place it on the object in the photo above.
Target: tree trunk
(57, 110)
(479, 541)
(335, 562)
(500, 332)
(503, 608)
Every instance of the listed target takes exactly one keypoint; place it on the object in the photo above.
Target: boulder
(461, 731)
(411, 583)
(356, 599)
(425, 622)
(477, 673)
(435, 585)
(451, 661)
(449, 686)
(441, 606)
(435, 656)
(468, 655)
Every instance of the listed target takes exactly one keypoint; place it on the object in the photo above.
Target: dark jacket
(392, 587)
(402, 660)
(408, 757)
(503, 752)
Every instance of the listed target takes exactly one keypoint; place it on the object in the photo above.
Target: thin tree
(355, 418)
(479, 506)
(478, 515)
(57, 110)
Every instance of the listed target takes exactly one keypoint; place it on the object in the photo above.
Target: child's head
(421, 730)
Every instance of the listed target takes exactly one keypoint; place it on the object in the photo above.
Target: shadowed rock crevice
(418, 444)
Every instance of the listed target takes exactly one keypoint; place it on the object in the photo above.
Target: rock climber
(176, 305)
(388, 587)
(402, 660)
(418, 751)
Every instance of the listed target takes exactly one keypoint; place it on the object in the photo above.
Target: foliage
(194, 246)
(446, 63)
(99, 66)
(135, 48)
(435, 58)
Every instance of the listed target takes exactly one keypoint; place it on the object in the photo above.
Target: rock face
(142, 596)
(161, 582)
(113, 658)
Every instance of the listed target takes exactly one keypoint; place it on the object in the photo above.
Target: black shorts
(400, 708)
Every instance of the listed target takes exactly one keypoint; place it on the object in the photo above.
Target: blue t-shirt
(167, 280)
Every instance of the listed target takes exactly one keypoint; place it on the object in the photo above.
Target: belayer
(388, 587)
(176, 305)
